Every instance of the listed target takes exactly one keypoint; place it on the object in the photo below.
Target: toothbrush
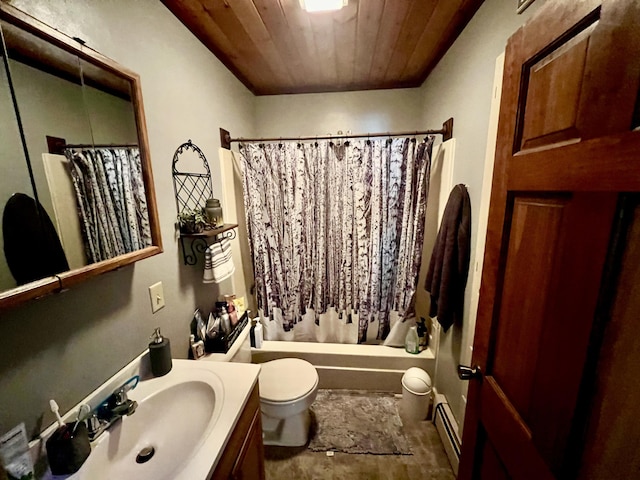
(56, 411)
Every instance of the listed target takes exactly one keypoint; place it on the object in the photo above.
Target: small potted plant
(192, 221)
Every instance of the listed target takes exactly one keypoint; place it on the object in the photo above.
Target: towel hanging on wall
(449, 266)
(218, 264)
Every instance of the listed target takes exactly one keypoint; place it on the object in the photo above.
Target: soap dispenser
(160, 354)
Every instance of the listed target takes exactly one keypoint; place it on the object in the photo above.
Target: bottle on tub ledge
(255, 334)
(411, 342)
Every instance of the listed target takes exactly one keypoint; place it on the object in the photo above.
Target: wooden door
(566, 152)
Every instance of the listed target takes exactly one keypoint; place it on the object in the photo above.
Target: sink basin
(169, 424)
(180, 427)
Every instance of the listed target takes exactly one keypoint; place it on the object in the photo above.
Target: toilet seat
(286, 380)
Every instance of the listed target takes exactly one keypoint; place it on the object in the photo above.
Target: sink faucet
(116, 406)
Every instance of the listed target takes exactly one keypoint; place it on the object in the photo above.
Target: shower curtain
(111, 200)
(336, 228)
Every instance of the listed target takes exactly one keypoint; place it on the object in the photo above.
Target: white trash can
(416, 393)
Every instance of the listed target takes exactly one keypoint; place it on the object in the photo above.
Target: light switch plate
(156, 295)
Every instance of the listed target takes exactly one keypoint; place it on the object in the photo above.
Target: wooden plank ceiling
(275, 47)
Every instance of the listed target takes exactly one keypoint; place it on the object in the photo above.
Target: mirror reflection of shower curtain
(111, 200)
(336, 227)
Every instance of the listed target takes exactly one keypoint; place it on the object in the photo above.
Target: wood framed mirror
(78, 198)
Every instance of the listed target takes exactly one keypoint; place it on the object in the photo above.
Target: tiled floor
(428, 462)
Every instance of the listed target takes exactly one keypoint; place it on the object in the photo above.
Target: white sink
(185, 417)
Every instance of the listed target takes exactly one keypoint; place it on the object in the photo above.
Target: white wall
(460, 87)
(65, 345)
(372, 111)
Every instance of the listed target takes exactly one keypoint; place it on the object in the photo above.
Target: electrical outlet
(157, 297)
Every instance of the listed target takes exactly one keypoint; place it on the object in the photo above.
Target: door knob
(469, 373)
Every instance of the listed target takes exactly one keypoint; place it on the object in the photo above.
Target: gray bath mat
(354, 421)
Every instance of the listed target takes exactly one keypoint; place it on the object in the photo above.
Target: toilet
(288, 387)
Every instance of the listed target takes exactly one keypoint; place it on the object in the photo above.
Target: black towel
(449, 266)
(31, 244)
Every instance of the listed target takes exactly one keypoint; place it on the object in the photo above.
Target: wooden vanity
(243, 456)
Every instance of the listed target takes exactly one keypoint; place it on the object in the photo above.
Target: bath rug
(356, 421)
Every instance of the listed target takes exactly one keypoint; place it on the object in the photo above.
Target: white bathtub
(360, 367)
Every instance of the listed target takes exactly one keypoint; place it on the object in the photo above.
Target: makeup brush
(56, 411)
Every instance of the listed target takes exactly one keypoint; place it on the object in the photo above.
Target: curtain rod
(446, 131)
(104, 145)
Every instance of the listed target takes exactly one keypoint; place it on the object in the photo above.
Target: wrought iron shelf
(198, 242)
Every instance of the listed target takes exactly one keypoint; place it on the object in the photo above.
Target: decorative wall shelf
(192, 190)
(198, 242)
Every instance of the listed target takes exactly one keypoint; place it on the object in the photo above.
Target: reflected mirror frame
(38, 288)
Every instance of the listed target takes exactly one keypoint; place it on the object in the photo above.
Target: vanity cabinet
(243, 457)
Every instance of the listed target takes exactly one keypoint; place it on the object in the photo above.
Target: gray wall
(63, 346)
(460, 87)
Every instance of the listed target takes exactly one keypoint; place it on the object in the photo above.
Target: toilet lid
(286, 379)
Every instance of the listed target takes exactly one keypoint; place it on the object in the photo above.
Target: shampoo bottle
(252, 333)
(160, 354)
(411, 342)
(257, 333)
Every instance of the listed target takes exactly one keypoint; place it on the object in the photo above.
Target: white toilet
(288, 387)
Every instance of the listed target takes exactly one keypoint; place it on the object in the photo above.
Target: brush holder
(67, 450)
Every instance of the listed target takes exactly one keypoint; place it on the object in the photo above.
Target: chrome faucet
(112, 409)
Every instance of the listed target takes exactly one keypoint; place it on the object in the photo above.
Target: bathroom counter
(168, 417)
(239, 380)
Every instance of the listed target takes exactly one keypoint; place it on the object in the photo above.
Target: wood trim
(30, 291)
(145, 158)
(74, 277)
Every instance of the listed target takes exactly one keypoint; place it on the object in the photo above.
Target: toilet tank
(243, 346)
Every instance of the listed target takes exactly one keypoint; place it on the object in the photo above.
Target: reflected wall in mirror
(15, 172)
(82, 122)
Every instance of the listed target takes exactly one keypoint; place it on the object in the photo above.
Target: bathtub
(348, 366)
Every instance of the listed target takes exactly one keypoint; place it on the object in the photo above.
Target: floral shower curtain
(111, 200)
(337, 227)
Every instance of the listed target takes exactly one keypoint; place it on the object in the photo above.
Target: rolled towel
(218, 264)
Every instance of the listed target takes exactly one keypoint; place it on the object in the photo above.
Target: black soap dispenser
(160, 354)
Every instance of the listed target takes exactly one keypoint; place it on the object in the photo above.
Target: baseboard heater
(447, 428)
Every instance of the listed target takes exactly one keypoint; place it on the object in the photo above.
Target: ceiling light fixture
(322, 5)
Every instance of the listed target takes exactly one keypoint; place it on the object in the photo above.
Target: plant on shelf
(192, 221)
